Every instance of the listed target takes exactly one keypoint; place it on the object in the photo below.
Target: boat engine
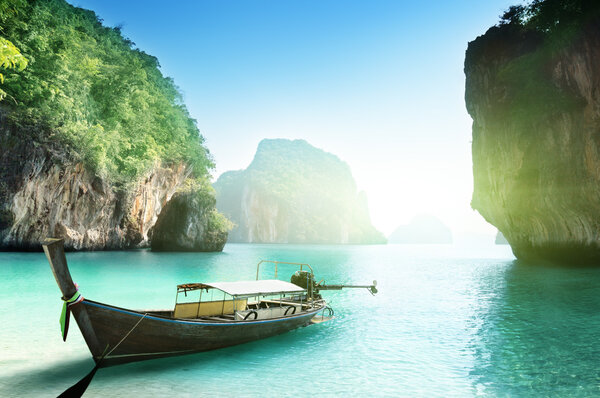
(306, 280)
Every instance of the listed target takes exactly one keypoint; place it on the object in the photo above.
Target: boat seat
(265, 313)
(207, 308)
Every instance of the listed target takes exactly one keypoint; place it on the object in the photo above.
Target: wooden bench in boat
(208, 308)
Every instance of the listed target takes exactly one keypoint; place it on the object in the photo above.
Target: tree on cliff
(547, 15)
(10, 58)
(89, 89)
(548, 26)
(550, 15)
(95, 130)
(514, 15)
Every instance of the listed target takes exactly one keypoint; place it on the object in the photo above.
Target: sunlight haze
(380, 84)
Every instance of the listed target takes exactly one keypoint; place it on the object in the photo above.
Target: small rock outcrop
(534, 96)
(422, 229)
(293, 192)
(190, 222)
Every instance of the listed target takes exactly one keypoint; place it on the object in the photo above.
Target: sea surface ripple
(448, 321)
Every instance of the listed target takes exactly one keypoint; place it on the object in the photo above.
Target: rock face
(44, 192)
(422, 229)
(295, 193)
(535, 104)
(189, 222)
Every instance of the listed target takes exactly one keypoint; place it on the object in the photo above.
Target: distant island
(293, 192)
(422, 229)
(95, 141)
(500, 239)
(532, 90)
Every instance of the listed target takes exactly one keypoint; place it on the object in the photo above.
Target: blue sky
(378, 83)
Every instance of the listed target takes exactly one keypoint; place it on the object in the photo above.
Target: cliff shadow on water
(537, 331)
(559, 254)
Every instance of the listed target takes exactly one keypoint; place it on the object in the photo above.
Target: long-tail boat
(208, 316)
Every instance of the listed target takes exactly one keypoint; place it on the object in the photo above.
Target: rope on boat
(124, 337)
(66, 312)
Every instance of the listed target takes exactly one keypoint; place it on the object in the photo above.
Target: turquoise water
(448, 321)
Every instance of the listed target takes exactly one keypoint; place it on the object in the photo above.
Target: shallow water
(448, 321)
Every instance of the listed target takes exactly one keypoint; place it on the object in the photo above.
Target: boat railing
(309, 288)
(302, 265)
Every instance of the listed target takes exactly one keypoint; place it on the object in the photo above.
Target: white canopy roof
(252, 288)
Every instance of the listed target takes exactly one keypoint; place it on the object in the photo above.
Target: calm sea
(448, 321)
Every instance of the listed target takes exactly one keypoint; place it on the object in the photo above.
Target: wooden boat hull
(121, 335)
(157, 336)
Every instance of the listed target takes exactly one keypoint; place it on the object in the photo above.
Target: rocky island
(422, 229)
(95, 141)
(500, 239)
(293, 192)
(533, 91)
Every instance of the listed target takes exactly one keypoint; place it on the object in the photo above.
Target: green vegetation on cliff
(293, 192)
(10, 58)
(190, 222)
(89, 89)
(552, 16)
(543, 29)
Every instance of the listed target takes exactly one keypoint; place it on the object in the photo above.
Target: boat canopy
(246, 288)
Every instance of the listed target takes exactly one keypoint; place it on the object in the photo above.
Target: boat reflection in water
(206, 316)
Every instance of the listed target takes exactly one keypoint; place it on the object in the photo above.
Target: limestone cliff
(534, 96)
(295, 193)
(45, 192)
(94, 139)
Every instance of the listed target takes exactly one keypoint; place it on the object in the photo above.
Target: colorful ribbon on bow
(66, 312)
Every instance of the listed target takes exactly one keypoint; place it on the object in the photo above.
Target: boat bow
(55, 253)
